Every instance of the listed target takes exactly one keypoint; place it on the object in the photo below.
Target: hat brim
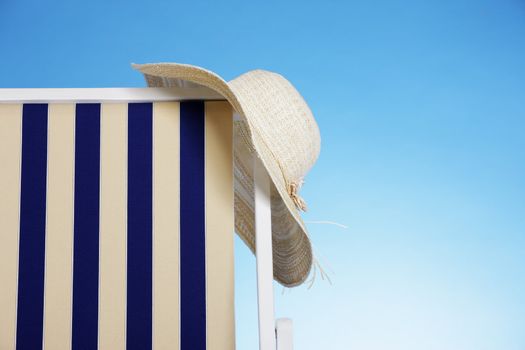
(292, 250)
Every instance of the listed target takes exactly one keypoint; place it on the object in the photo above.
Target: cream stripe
(220, 323)
(10, 153)
(59, 226)
(166, 225)
(113, 219)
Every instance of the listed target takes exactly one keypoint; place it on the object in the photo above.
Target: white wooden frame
(263, 248)
(273, 334)
(107, 95)
(284, 334)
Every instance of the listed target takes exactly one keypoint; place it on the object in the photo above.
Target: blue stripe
(192, 229)
(86, 227)
(32, 228)
(139, 288)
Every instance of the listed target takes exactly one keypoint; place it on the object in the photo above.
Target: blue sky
(421, 106)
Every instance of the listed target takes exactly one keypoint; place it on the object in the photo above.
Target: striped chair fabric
(116, 226)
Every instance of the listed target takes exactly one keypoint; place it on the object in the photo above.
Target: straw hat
(278, 127)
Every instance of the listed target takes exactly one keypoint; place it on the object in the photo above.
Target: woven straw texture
(276, 126)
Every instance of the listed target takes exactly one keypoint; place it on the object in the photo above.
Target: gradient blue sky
(421, 106)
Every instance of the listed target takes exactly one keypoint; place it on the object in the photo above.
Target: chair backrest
(116, 224)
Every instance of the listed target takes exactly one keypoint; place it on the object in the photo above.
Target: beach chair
(117, 222)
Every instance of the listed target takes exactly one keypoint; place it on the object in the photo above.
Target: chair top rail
(86, 95)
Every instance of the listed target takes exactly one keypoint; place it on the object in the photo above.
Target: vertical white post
(263, 247)
(284, 332)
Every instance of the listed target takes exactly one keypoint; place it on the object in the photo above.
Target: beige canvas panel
(10, 154)
(220, 321)
(166, 197)
(59, 226)
(113, 226)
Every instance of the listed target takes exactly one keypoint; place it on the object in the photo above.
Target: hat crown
(282, 119)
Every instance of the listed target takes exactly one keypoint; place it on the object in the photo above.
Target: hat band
(293, 191)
